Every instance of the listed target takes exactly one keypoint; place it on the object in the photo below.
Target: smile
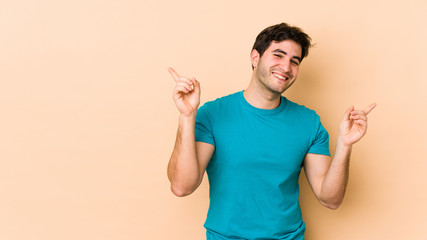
(281, 77)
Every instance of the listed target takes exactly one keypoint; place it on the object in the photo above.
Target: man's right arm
(189, 158)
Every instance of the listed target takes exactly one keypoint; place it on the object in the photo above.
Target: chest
(256, 143)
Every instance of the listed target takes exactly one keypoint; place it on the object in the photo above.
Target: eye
(295, 62)
(278, 55)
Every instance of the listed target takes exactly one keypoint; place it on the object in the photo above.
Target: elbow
(182, 187)
(181, 191)
(333, 205)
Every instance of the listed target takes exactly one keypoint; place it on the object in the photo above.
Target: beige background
(88, 123)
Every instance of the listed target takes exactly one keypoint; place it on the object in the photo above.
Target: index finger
(369, 108)
(174, 74)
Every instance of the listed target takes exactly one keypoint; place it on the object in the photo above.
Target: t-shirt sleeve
(320, 143)
(203, 128)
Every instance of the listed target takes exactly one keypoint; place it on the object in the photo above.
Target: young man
(254, 143)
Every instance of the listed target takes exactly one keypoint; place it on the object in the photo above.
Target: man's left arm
(328, 179)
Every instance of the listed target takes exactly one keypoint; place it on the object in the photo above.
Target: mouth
(280, 76)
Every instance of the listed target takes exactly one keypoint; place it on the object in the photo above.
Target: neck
(260, 97)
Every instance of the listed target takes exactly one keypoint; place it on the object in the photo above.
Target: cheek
(295, 71)
(275, 62)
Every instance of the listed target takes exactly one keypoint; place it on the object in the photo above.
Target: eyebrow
(285, 53)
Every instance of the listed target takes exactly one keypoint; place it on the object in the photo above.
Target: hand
(354, 125)
(186, 94)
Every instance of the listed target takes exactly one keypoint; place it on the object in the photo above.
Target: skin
(280, 60)
(274, 72)
(189, 158)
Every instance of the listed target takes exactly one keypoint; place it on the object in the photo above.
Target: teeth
(283, 78)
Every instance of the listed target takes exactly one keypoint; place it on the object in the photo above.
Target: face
(277, 69)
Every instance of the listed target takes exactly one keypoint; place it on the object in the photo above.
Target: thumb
(196, 85)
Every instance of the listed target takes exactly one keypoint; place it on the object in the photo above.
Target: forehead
(289, 46)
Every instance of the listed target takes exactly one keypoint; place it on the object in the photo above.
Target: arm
(327, 179)
(189, 158)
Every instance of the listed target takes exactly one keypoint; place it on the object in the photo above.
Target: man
(254, 143)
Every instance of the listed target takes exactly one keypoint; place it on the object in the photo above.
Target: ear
(254, 58)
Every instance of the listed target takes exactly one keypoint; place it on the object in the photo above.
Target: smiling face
(277, 69)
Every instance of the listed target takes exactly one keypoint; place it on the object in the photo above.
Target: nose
(285, 65)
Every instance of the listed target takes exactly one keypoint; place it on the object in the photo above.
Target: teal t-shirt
(254, 171)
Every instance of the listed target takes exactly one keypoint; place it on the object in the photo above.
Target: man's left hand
(354, 125)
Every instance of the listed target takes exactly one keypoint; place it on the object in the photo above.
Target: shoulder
(212, 111)
(301, 109)
(222, 102)
(310, 120)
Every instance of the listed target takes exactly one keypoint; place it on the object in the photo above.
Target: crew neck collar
(279, 108)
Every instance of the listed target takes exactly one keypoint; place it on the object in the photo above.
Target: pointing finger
(173, 73)
(369, 108)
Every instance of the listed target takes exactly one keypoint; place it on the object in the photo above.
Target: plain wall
(87, 120)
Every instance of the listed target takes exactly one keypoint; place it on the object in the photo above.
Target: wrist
(343, 144)
(188, 117)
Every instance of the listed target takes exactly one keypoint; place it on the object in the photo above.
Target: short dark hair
(280, 32)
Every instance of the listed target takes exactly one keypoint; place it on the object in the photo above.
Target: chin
(278, 91)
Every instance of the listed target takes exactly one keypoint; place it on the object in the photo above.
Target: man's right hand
(186, 94)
